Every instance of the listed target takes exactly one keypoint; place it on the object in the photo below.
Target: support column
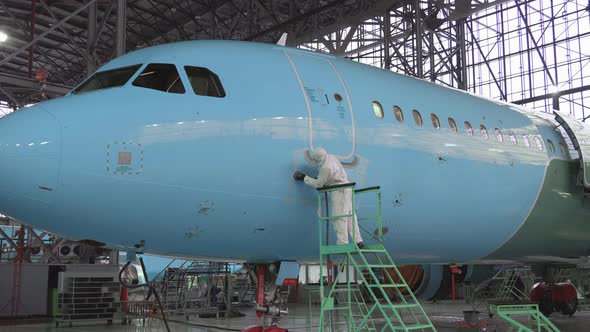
(431, 7)
(418, 33)
(556, 101)
(386, 40)
(556, 82)
(32, 47)
(461, 55)
(121, 26)
(91, 37)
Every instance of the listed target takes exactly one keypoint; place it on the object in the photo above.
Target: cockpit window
(160, 76)
(204, 82)
(108, 79)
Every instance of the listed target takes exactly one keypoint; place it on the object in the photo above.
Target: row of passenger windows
(399, 116)
(157, 76)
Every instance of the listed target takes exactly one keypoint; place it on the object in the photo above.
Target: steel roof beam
(121, 27)
(72, 44)
(74, 13)
(29, 83)
(8, 95)
(23, 29)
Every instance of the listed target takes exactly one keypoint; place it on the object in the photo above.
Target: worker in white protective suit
(332, 173)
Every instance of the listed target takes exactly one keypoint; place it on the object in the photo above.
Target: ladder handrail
(336, 187)
(358, 191)
(505, 312)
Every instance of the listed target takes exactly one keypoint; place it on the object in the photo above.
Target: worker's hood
(319, 155)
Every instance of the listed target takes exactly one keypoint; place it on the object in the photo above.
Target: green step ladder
(370, 303)
(536, 320)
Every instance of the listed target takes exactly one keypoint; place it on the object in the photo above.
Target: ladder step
(377, 266)
(401, 306)
(388, 286)
(519, 312)
(337, 249)
(372, 250)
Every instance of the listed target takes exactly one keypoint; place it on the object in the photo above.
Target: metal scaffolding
(530, 52)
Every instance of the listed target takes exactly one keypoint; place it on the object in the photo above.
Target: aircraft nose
(30, 148)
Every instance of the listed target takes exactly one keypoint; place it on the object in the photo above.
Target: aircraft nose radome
(30, 149)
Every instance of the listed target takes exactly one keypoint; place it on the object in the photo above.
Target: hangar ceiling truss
(70, 39)
(532, 53)
(517, 50)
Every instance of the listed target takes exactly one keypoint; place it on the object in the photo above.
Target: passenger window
(539, 143)
(399, 115)
(562, 148)
(526, 141)
(107, 79)
(550, 145)
(484, 131)
(453, 125)
(512, 138)
(417, 117)
(161, 77)
(204, 82)
(499, 136)
(435, 121)
(378, 110)
(468, 128)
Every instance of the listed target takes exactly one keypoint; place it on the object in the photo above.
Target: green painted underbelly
(559, 223)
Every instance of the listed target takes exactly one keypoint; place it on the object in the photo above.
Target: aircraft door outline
(580, 137)
(316, 97)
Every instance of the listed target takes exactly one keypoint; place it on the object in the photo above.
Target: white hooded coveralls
(332, 173)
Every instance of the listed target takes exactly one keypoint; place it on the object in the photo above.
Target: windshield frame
(106, 72)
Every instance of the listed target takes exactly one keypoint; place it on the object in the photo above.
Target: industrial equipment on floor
(88, 293)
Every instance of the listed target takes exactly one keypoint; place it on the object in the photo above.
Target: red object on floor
(253, 328)
(470, 325)
(538, 292)
(563, 292)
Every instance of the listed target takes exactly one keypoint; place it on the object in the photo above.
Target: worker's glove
(298, 176)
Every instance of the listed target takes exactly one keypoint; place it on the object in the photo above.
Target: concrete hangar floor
(447, 316)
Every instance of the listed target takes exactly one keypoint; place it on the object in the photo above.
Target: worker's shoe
(360, 245)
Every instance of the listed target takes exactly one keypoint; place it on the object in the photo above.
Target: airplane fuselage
(211, 177)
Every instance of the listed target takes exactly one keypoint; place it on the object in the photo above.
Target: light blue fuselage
(212, 177)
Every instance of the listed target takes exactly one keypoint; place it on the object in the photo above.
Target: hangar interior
(530, 53)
